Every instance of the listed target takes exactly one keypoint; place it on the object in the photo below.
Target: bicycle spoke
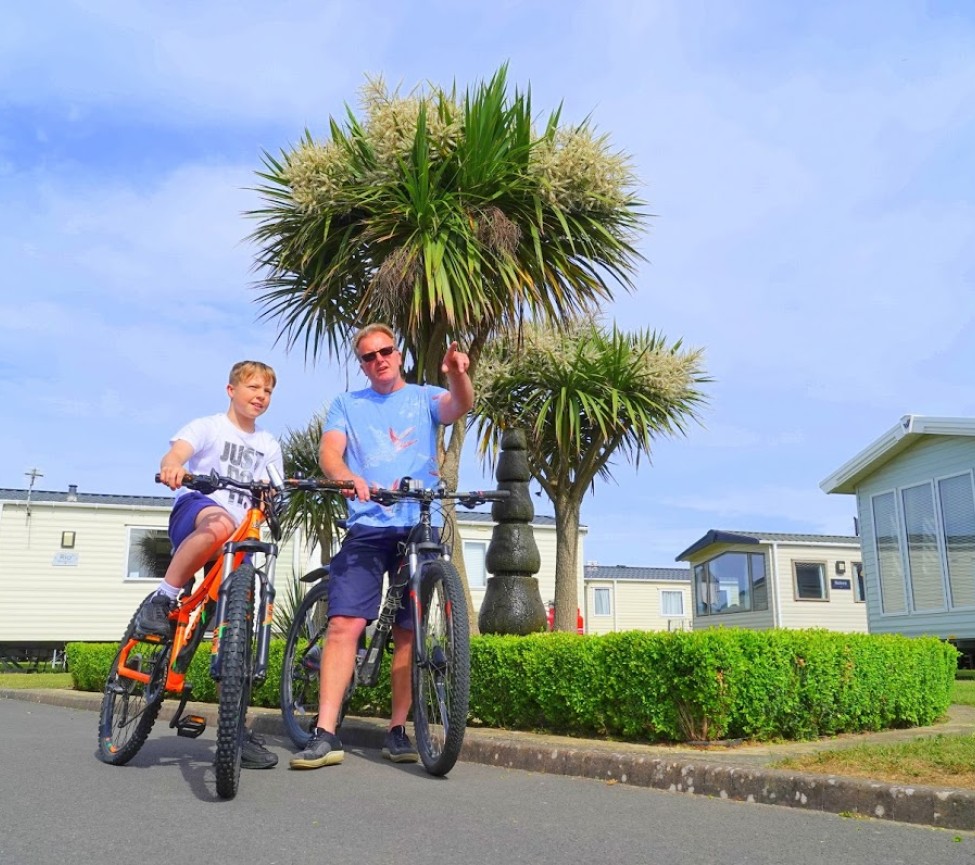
(130, 706)
(302, 660)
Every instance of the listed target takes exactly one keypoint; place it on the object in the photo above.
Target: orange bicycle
(147, 667)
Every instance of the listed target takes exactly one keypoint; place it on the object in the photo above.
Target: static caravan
(624, 598)
(915, 493)
(764, 580)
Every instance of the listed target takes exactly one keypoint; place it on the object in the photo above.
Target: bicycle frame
(195, 611)
(421, 540)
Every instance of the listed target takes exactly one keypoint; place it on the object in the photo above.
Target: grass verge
(963, 691)
(929, 760)
(35, 680)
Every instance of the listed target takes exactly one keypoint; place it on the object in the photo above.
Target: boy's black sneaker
(323, 749)
(398, 746)
(153, 617)
(253, 754)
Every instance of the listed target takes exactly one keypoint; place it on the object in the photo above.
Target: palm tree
(590, 395)
(314, 513)
(446, 215)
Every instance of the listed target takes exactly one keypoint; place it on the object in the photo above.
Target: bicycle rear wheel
(441, 682)
(130, 707)
(302, 659)
(301, 669)
(236, 651)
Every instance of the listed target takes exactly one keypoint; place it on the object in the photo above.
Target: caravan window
(731, 583)
(148, 554)
(810, 581)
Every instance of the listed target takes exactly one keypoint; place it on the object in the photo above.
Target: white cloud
(189, 63)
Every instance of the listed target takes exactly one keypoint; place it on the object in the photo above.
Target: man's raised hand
(454, 361)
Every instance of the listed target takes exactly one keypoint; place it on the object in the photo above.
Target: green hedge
(89, 664)
(665, 687)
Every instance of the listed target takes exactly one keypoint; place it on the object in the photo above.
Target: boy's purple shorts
(356, 581)
(182, 519)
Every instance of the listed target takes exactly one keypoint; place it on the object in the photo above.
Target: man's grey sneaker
(323, 749)
(153, 617)
(253, 754)
(398, 746)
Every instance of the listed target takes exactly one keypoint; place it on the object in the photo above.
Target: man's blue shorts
(182, 519)
(355, 583)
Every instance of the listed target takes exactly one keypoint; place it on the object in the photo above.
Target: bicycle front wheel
(130, 705)
(441, 679)
(236, 653)
(300, 673)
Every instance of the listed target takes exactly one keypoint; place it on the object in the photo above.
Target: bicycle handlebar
(317, 485)
(213, 481)
(467, 499)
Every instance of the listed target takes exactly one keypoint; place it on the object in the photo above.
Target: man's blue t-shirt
(388, 437)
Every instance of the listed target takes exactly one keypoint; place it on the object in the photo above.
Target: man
(374, 437)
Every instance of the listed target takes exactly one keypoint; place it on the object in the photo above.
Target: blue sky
(809, 166)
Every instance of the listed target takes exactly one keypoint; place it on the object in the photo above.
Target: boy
(235, 446)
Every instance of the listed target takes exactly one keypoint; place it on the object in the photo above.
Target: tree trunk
(567, 511)
(450, 474)
(325, 546)
(450, 471)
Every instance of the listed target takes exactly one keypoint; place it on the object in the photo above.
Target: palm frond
(315, 514)
(586, 395)
(498, 221)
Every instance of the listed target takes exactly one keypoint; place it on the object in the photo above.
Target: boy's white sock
(171, 592)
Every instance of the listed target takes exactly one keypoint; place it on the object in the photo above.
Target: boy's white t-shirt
(220, 446)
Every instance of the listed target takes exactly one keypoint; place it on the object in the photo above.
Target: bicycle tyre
(441, 685)
(236, 652)
(129, 708)
(300, 689)
(300, 682)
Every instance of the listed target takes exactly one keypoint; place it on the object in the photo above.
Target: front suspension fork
(264, 608)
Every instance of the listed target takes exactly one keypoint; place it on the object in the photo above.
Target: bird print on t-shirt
(399, 440)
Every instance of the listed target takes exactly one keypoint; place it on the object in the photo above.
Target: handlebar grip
(201, 483)
(311, 484)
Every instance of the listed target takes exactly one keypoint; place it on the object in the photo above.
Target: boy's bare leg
(212, 528)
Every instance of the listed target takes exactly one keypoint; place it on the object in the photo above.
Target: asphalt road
(59, 803)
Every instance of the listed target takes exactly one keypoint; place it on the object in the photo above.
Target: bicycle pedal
(191, 726)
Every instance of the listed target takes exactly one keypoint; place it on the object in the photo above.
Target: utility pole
(33, 474)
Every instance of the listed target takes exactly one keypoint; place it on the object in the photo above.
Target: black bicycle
(428, 584)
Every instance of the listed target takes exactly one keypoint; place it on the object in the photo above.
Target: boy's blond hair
(244, 369)
(368, 330)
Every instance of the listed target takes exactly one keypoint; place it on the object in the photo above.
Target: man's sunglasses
(370, 356)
